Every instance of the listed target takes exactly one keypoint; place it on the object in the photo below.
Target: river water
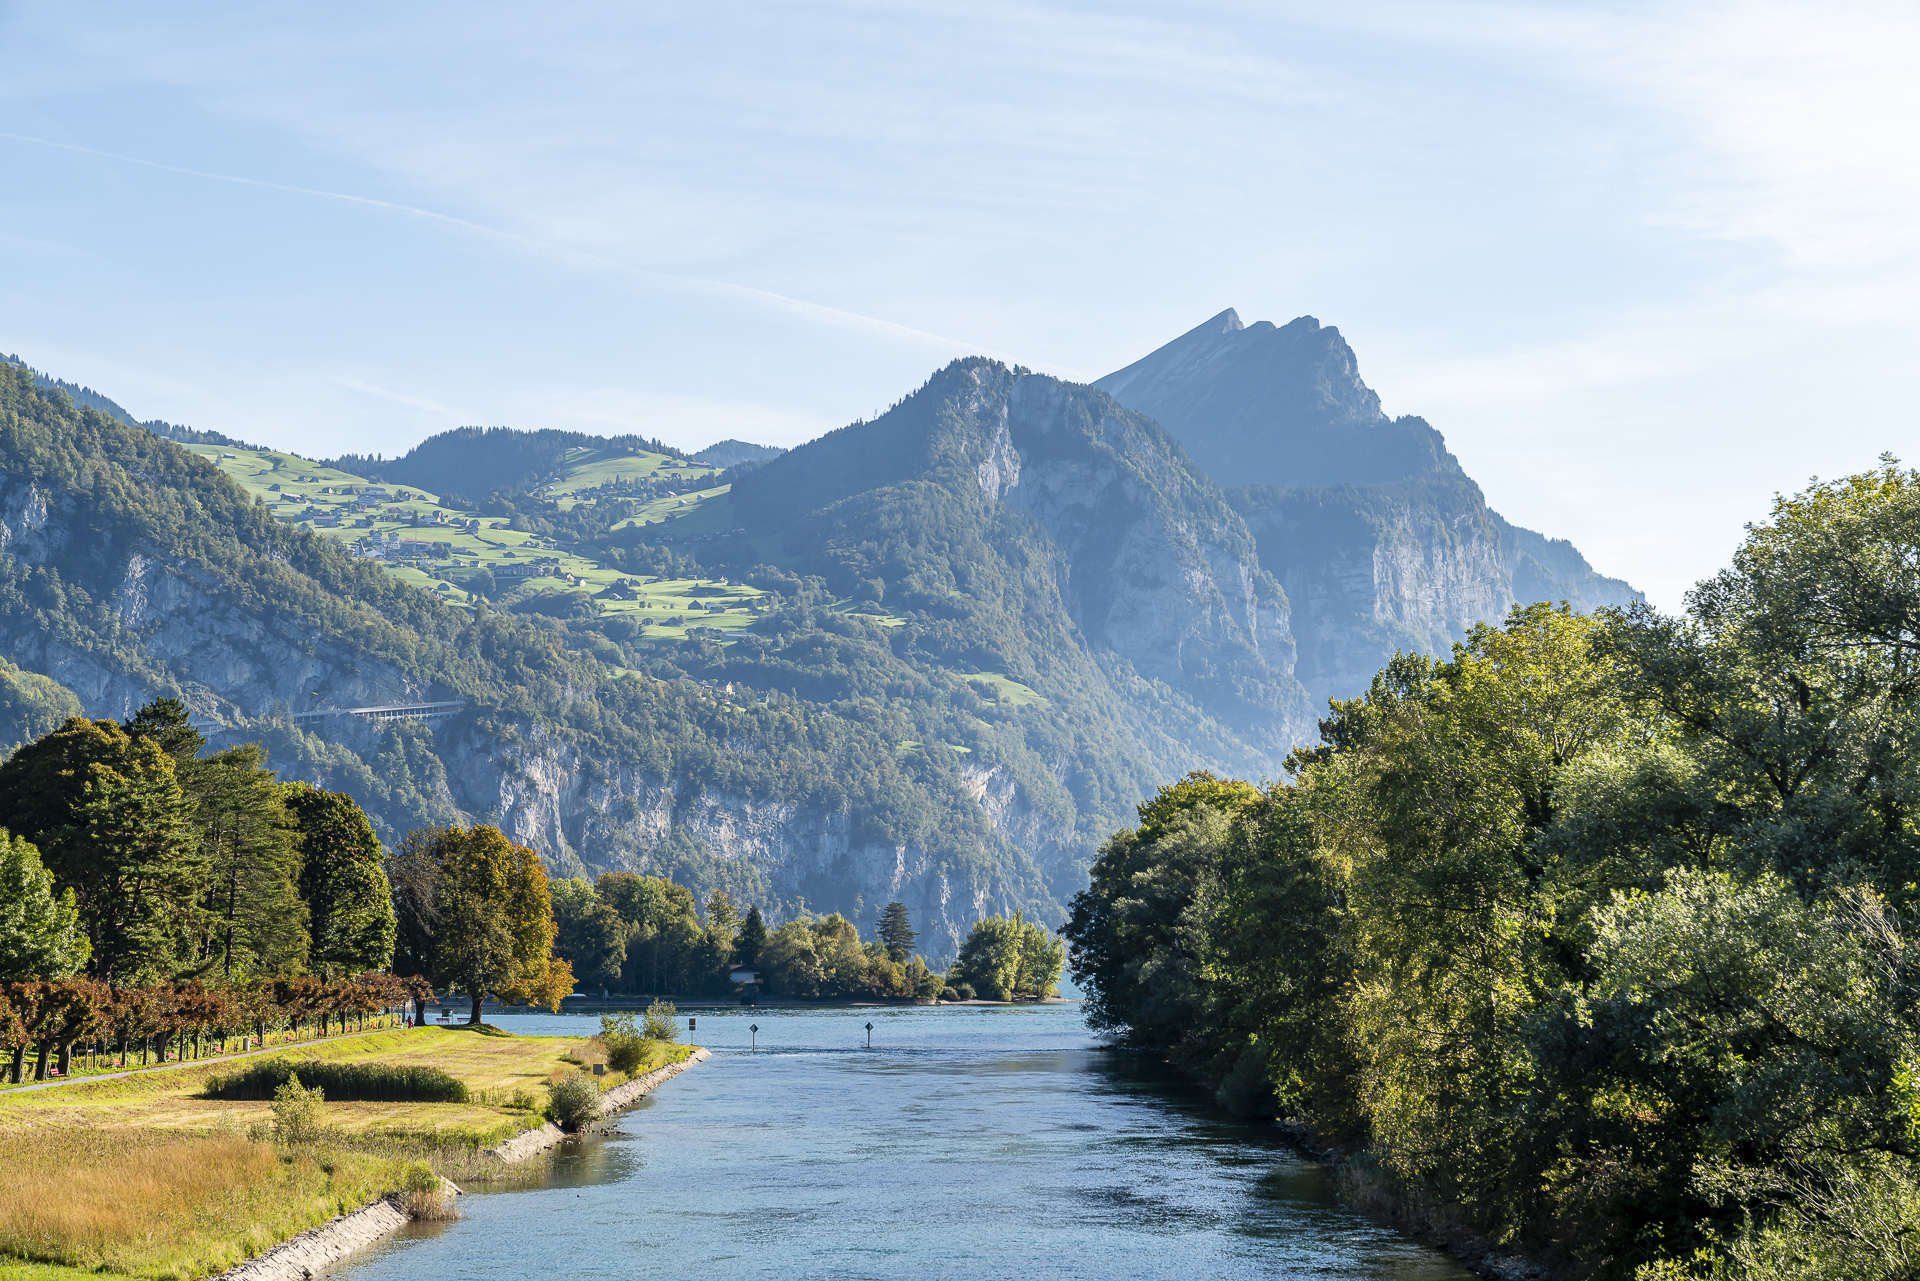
(969, 1142)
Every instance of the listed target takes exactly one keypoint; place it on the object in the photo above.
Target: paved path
(175, 1067)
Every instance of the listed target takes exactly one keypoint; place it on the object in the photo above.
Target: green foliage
(113, 825)
(1597, 932)
(896, 933)
(626, 1046)
(1005, 957)
(485, 916)
(297, 1111)
(32, 706)
(40, 934)
(349, 901)
(341, 1082)
(662, 1022)
(573, 1101)
(752, 940)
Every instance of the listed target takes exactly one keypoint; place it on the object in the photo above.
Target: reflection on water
(969, 1142)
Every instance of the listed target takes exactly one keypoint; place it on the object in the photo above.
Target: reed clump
(342, 1082)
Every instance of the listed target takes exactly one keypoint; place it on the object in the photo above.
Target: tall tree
(494, 931)
(40, 934)
(896, 932)
(253, 918)
(350, 904)
(165, 721)
(752, 940)
(110, 819)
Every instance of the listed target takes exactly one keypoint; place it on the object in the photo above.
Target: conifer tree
(896, 932)
(752, 940)
(253, 919)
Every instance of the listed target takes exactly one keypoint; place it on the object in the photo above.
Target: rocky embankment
(298, 1258)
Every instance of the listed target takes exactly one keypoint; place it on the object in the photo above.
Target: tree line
(188, 889)
(637, 934)
(1595, 937)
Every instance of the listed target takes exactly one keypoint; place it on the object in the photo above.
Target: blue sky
(1645, 266)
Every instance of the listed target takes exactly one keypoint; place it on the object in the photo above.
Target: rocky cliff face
(1381, 541)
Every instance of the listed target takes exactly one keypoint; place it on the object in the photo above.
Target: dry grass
(170, 1205)
(140, 1177)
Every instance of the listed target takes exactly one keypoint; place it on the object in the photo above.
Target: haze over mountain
(1380, 539)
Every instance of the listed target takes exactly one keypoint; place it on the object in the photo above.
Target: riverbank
(1366, 1187)
(155, 1179)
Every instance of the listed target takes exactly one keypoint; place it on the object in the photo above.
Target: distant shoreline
(585, 1004)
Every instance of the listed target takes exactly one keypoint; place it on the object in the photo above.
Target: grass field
(294, 488)
(140, 1177)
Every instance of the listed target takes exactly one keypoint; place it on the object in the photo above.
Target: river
(969, 1142)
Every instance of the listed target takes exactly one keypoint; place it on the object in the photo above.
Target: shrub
(573, 1101)
(626, 1048)
(343, 1082)
(296, 1111)
(424, 1194)
(949, 994)
(662, 1022)
(964, 992)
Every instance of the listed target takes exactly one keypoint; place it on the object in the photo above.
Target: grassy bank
(143, 1176)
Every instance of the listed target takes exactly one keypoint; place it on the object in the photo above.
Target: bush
(573, 1101)
(424, 1194)
(296, 1111)
(662, 1022)
(949, 994)
(964, 992)
(626, 1048)
(343, 1082)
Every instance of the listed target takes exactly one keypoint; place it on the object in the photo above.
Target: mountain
(1379, 538)
(935, 657)
(475, 461)
(994, 619)
(731, 453)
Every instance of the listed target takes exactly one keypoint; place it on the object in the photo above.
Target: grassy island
(149, 1176)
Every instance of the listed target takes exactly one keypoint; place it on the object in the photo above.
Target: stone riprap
(299, 1258)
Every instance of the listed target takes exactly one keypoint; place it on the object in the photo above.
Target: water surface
(969, 1142)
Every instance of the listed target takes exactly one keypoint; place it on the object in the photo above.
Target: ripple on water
(969, 1142)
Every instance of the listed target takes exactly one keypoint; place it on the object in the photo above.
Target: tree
(752, 940)
(350, 903)
(495, 918)
(414, 872)
(252, 916)
(165, 723)
(590, 935)
(40, 933)
(896, 932)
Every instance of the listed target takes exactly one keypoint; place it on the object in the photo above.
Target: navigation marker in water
(869, 1036)
(755, 1029)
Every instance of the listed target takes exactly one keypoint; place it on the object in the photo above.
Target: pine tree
(896, 932)
(752, 940)
(252, 917)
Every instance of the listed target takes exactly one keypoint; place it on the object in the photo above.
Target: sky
(1646, 266)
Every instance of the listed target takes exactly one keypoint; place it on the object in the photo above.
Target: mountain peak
(1280, 405)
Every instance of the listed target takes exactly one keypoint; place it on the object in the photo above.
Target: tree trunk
(40, 1068)
(475, 1020)
(19, 1072)
(66, 1059)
